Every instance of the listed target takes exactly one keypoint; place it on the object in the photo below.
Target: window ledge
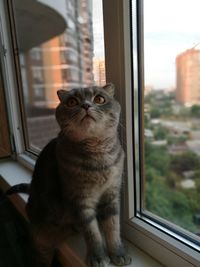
(14, 173)
(139, 258)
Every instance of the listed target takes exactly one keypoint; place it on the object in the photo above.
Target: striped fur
(77, 178)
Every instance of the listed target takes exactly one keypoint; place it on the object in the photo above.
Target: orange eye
(71, 102)
(99, 99)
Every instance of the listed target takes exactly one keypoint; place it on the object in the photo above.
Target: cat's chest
(97, 172)
(83, 163)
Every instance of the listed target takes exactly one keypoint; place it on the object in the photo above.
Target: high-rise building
(99, 72)
(188, 77)
(65, 61)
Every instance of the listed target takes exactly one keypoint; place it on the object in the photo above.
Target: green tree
(160, 133)
(157, 158)
(176, 139)
(155, 113)
(162, 196)
(172, 179)
(185, 162)
(170, 204)
(195, 111)
(156, 197)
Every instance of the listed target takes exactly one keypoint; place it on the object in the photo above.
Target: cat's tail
(18, 188)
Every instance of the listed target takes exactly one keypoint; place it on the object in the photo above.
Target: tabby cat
(77, 179)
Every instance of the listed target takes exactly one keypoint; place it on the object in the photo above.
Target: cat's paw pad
(121, 260)
(98, 263)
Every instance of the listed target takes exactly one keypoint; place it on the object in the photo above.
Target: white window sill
(139, 258)
(14, 173)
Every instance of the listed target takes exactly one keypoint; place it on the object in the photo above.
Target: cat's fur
(77, 178)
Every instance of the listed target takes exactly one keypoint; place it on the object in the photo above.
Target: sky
(170, 27)
(98, 29)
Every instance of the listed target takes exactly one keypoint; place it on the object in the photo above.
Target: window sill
(139, 258)
(13, 173)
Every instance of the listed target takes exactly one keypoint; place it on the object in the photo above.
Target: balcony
(44, 19)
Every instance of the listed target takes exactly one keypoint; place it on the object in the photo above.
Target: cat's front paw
(94, 262)
(121, 260)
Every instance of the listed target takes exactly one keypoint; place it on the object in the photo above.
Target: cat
(77, 179)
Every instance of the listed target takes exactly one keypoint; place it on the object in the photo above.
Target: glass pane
(172, 111)
(61, 45)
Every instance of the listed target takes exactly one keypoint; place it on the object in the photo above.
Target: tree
(172, 179)
(171, 139)
(185, 162)
(157, 158)
(170, 204)
(162, 195)
(155, 113)
(160, 133)
(195, 111)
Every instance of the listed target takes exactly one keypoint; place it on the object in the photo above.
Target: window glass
(60, 43)
(171, 108)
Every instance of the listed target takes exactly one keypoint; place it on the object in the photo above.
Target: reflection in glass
(63, 55)
(172, 111)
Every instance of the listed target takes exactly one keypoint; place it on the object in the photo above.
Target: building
(188, 77)
(99, 72)
(64, 61)
(63, 58)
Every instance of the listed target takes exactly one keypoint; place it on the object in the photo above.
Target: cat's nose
(86, 106)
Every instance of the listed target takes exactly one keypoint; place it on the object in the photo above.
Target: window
(165, 151)
(70, 75)
(129, 65)
(69, 56)
(35, 54)
(46, 64)
(69, 40)
(37, 74)
(172, 156)
(39, 92)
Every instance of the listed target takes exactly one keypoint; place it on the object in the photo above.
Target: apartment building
(188, 77)
(65, 61)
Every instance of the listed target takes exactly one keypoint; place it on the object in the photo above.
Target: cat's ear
(61, 94)
(109, 88)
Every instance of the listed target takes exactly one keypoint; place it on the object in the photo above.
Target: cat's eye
(99, 99)
(71, 102)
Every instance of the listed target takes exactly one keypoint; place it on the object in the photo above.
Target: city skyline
(167, 33)
(169, 30)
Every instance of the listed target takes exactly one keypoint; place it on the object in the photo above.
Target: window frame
(165, 246)
(5, 146)
(15, 94)
(10, 82)
(119, 69)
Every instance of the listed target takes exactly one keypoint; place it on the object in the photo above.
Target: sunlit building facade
(99, 72)
(188, 77)
(65, 61)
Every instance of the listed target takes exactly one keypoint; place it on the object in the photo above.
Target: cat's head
(88, 112)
